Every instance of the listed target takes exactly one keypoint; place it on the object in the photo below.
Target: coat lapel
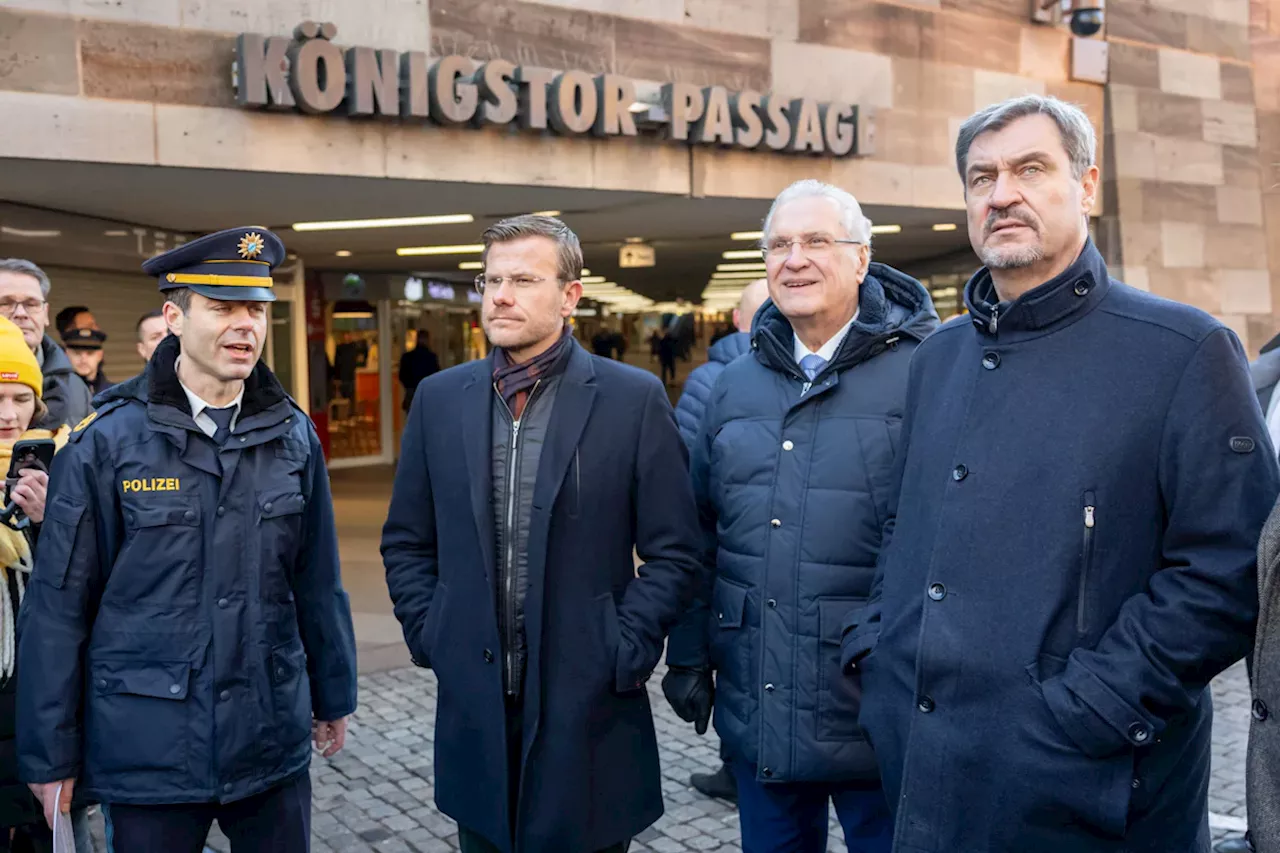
(477, 438)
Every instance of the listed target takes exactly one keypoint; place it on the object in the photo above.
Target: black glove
(691, 693)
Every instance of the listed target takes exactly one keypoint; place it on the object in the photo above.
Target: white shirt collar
(828, 350)
(198, 405)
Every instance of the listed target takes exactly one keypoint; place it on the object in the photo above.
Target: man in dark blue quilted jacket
(793, 470)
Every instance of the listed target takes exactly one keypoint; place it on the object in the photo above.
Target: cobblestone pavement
(377, 794)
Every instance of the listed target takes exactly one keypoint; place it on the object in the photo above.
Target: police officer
(188, 631)
(84, 350)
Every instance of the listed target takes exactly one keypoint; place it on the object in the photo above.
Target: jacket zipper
(509, 596)
(1090, 519)
(995, 320)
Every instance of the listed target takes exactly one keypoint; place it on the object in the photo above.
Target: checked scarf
(515, 381)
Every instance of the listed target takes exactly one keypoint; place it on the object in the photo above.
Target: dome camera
(1086, 21)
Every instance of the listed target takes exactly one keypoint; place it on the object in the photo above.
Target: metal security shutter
(117, 300)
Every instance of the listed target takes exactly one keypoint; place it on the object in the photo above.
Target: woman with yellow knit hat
(22, 824)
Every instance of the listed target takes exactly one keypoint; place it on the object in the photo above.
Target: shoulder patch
(81, 427)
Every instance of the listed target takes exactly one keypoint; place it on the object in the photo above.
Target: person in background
(151, 331)
(510, 563)
(603, 344)
(22, 824)
(1085, 474)
(416, 365)
(24, 299)
(186, 637)
(84, 350)
(667, 349)
(690, 408)
(792, 469)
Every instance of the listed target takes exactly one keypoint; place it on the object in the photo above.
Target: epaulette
(79, 429)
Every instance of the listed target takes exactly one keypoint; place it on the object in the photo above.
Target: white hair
(857, 226)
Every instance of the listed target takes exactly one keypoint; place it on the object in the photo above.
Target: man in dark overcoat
(526, 480)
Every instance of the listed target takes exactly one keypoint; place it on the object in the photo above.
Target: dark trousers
(275, 821)
(791, 817)
(470, 842)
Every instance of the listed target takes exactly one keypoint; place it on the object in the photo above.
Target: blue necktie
(812, 365)
(221, 418)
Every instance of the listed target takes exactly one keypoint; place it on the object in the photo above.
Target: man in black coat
(525, 481)
(1085, 473)
(416, 365)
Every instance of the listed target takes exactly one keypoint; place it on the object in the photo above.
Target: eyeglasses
(494, 282)
(813, 246)
(9, 306)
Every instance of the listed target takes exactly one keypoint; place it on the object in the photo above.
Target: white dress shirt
(206, 424)
(828, 350)
(1273, 418)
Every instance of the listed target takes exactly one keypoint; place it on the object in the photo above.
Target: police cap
(232, 266)
(83, 338)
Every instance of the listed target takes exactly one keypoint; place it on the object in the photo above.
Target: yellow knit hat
(17, 362)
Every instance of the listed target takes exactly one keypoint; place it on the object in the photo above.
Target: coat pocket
(137, 717)
(839, 694)
(729, 654)
(158, 565)
(290, 694)
(1059, 784)
(430, 630)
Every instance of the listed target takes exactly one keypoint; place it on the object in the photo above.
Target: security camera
(1086, 20)
(1085, 16)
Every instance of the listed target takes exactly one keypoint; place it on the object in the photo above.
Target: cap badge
(251, 245)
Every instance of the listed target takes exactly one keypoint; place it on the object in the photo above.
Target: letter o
(317, 92)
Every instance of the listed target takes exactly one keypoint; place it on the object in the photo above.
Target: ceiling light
(735, 276)
(740, 267)
(746, 235)
(469, 249)
(886, 229)
(22, 232)
(635, 239)
(115, 233)
(638, 107)
(741, 254)
(585, 271)
(352, 315)
(343, 253)
(471, 265)
(945, 226)
(546, 213)
(394, 222)
(591, 279)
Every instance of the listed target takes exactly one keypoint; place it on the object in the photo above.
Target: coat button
(188, 516)
(102, 683)
(222, 510)
(1082, 288)
(768, 688)
(226, 789)
(788, 445)
(175, 689)
(767, 773)
(223, 603)
(777, 522)
(267, 506)
(773, 603)
(488, 656)
(1139, 733)
(1136, 783)
(1260, 711)
(991, 360)
(281, 672)
(242, 439)
(937, 592)
(959, 473)
(925, 705)
(225, 696)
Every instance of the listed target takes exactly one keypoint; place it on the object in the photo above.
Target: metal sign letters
(311, 74)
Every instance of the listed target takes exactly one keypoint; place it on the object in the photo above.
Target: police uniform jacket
(186, 620)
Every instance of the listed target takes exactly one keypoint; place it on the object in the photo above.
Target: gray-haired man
(1085, 475)
(24, 299)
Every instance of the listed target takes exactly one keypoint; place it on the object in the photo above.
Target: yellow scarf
(15, 558)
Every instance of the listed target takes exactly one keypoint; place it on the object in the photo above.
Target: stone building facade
(1189, 122)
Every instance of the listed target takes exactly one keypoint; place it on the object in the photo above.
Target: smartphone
(28, 451)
